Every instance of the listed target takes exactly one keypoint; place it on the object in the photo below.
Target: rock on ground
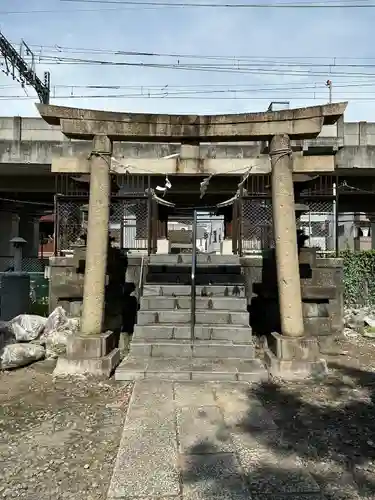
(58, 438)
(6, 335)
(360, 320)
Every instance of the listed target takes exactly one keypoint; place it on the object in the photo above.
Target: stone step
(181, 269)
(202, 259)
(234, 334)
(201, 317)
(186, 349)
(176, 303)
(199, 369)
(150, 290)
(200, 279)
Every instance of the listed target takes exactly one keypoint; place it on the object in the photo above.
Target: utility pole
(24, 73)
(329, 85)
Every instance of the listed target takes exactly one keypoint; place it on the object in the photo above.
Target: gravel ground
(330, 423)
(58, 438)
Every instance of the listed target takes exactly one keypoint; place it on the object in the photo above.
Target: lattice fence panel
(257, 225)
(128, 226)
(257, 230)
(319, 225)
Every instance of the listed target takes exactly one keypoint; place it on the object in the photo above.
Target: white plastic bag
(56, 342)
(17, 355)
(57, 330)
(27, 327)
(59, 321)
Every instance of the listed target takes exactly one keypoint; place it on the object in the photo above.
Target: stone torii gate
(103, 127)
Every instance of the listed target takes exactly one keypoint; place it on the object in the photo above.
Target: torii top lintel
(86, 123)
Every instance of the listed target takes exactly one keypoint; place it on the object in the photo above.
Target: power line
(281, 87)
(207, 68)
(331, 60)
(289, 5)
(235, 68)
(191, 91)
(139, 6)
(70, 11)
(232, 98)
(306, 67)
(236, 65)
(171, 90)
(315, 91)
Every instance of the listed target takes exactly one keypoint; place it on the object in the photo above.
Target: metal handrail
(140, 284)
(193, 269)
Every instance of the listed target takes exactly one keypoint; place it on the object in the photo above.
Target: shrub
(359, 277)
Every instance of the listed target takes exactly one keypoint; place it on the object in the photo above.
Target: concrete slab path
(206, 441)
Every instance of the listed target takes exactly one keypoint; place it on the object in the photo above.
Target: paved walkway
(191, 441)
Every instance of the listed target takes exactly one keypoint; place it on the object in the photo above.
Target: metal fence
(318, 222)
(29, 264)
(128, 226)
(257, 229)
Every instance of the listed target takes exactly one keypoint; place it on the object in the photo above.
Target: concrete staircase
(162, 346)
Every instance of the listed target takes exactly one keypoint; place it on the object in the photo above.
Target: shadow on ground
(329, 424)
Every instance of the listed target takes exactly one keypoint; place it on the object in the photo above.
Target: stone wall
(66, 278)
(321, 281)
(322, 293)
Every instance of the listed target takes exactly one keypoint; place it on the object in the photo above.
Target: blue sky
(268, 33)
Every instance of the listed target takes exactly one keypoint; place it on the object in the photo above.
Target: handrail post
(149, 224)
(193, 269)
(240, 222)
(140, 284)
(56, 226)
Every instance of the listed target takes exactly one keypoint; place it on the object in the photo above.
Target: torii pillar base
(294, 358)
(95, 355)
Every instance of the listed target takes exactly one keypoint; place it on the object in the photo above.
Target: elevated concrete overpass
(28, 146)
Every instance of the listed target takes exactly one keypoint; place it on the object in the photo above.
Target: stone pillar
(284, 221)
(91, 351)
(289, 354)
(97, 237)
